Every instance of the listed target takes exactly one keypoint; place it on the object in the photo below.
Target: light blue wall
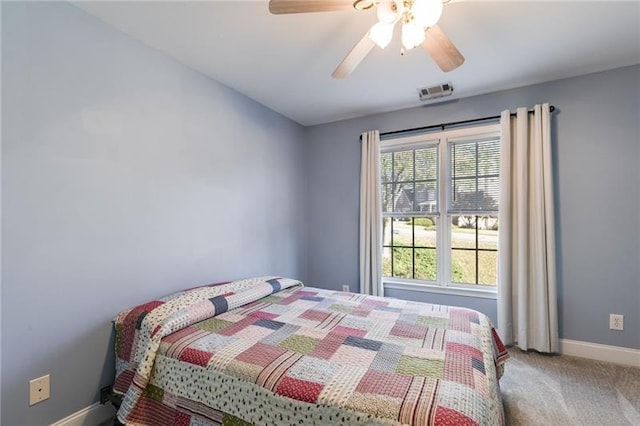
(597, 147)
(125, 176)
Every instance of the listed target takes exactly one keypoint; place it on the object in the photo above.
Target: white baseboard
(92, 415)
(615, 354)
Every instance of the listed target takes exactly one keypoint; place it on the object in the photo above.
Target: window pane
(402, 235)
(463, 232)
(426, 264)
(386, 261)
(464, 193)
(403, 166)
(386, 231)
(488, 193)
(463, 266)
(427, 163)
(488, 267)
(387, 198)
(424, 231)
(488, 232)
(410, 180)
(463, 159)
(474, 242)
(403, 197)
(489, 157)
(403, 262)
(474, 176)
(386, 161)
(426, 197)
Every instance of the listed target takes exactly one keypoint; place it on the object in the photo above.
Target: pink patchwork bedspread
(269, 351)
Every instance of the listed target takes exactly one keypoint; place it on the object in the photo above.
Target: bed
(271, 351)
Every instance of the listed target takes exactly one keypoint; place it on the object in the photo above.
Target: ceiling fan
(418, 18)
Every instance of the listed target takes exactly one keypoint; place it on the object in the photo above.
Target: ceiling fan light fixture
(418, 19)
(363, 4)
(412, 34)
(387, 12)
(381, 34)
(426, 12)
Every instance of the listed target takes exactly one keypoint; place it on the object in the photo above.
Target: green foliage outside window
(423, 221)
(425, 265)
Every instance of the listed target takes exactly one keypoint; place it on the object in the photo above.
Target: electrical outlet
(39, 389)
(616, 322)
(345, 287)
(104, 394)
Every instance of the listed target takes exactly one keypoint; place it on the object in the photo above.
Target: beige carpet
(561, 390)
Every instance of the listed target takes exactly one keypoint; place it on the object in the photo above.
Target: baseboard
(615, 354)
(91, 415)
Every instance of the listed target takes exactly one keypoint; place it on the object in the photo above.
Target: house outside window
(440, 201)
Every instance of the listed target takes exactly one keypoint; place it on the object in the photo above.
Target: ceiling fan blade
(442, 50)
(278, 7)
(353, 59)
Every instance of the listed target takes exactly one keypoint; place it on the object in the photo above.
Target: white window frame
(443, 240)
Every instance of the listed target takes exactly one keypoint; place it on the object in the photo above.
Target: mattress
(270, 351)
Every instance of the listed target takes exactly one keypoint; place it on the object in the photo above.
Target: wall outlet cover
(345, 287)
(616, 322)
(39, 389)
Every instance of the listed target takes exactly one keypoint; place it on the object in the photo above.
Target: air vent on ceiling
(434, 92)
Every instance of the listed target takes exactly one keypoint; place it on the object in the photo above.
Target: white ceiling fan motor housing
(434, 92)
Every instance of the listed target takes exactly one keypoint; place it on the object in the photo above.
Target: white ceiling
(285, 62)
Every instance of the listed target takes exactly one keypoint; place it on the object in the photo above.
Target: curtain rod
(453, 123)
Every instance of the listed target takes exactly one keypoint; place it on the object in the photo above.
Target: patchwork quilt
(270, 351)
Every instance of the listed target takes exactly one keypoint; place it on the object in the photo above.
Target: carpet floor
(562, 390)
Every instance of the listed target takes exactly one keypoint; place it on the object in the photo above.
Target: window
(440, 201)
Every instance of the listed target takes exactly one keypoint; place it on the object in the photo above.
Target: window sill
(429, 288)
